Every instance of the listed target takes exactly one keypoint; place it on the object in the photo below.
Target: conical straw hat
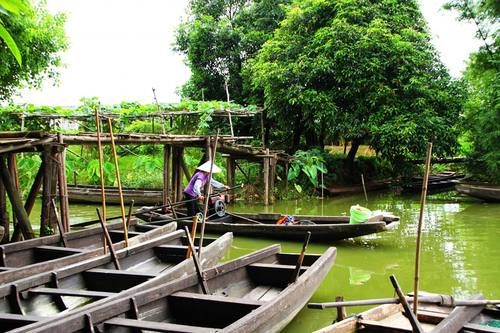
(206, 167)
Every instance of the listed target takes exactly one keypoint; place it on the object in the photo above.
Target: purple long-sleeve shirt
(199, 180)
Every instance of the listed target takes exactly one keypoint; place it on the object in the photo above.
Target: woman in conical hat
(194, 188)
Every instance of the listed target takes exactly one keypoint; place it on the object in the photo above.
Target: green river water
(460, 252)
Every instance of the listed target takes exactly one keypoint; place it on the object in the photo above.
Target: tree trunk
(352, 152)
(297, 133)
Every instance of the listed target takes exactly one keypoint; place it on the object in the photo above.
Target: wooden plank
(457, 318)
(272, 274)
(71, 292)
(112, 280)
(156, 327)
(215, 299)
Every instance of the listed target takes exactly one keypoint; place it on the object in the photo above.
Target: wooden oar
(412, 317)
(442, 300)
(244, 218)
(129, 217)
(199, 272)
(108, 239)
(193, 233)
(300, 260)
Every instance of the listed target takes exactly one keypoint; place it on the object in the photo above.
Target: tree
(40, 38)
(361, 70)
(9, 7)
(218, 38)
(482, 113)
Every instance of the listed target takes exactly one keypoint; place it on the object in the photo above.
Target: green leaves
(310, 163)
(11, 44)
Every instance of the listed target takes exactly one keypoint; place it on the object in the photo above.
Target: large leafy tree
(39, 38)
(218, 37)
(361, 70)
(482, 116)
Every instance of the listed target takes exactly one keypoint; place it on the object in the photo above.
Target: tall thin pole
(101, 173)
(420, 223)
(119, 183)
(207, 195)
(364, 187)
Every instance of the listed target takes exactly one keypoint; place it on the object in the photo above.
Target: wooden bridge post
(4, 218)
(167, 149)
(174, 174)
(12, 166)
(265, 173)
(16, 201)
(272, 176)
(180, 157)
(230, 175)
(48, 218)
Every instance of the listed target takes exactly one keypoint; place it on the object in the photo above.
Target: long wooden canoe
(484, 191)
(322, 228)
(435, 318)
(29, 257)
(249, 294)
(358, 188)
(438, 182)
(80, 287)
(92, 194)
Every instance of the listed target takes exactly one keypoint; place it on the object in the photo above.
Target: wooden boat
(484, 191)
(435, 318)
(92, 194)
(352, 189)
(249, 294)
(438, 182)
(29, 257)
(82, 286)
(322, 228)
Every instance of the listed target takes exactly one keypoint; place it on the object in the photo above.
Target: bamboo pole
(101, 173)
(207, 194)
(108, 239)
(60, 226)
(119, 183)
(364, 187)
(420, 223)
(63, 186)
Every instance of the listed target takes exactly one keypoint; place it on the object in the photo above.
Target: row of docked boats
(66, 284)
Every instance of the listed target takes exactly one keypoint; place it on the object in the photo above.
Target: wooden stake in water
(420, 223)
(364, 187)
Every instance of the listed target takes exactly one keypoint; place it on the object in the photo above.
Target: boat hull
(92, 194)
(481, 191)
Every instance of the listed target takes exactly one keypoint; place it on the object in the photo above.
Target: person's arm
(216, 184)
(197, 187)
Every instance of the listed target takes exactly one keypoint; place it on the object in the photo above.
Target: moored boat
(322, 228)
(92, 194)
(431, 317)
(253, 293)
(483, 191)
(29, 257)
(82, 286)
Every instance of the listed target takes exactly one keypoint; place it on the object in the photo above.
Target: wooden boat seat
(275, 275)
(46, 252)
(11, 321)
(212, 310)
(156, 326)
(168, 253)
(119, 235)
(70, 292)
(146, 227)
(263, 293)
(111, 280)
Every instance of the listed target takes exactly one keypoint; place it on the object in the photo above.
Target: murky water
(460, 249)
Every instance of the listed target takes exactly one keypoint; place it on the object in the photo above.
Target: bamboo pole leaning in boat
(420, 223)
(119, 183)
(101, 173)
(108, 238)
(207, 195)
(193, 234)
(442, 300)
